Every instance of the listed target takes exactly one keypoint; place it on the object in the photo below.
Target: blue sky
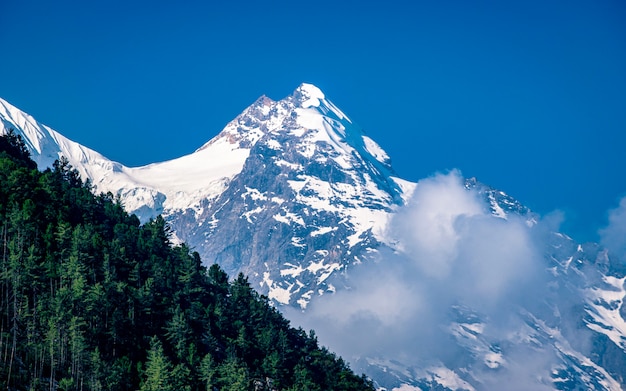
(527, 96)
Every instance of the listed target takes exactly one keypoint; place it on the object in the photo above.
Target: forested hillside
(92, 300)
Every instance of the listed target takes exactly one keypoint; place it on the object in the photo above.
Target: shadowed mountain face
(445, 283)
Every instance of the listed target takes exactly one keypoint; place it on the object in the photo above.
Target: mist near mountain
(613, 236)
(453, 259)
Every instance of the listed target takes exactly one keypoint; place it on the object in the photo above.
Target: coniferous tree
(158, 373)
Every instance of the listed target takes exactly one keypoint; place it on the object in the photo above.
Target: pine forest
(90, 299)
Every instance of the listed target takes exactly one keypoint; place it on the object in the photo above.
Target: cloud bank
(450, 253)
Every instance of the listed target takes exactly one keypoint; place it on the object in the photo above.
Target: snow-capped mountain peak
(308, 96)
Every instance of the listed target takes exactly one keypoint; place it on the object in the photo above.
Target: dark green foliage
(12, 146)
(92, 300)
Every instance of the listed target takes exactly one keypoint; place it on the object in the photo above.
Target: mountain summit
(296, 196)
(313, 192)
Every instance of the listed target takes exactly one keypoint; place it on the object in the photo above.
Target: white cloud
(425, 228)
(448, 233)
(613, 236)
(451, 251)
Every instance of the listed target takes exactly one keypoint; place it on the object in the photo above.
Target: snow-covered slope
(296, 196)
(47, 145)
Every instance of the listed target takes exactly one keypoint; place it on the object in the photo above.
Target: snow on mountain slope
(47, 145)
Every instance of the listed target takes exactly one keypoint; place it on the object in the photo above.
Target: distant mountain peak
(309, 95)
(265, 100)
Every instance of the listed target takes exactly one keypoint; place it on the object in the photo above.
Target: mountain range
(296, 196)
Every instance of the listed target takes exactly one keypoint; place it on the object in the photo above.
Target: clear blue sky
(528, 96)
